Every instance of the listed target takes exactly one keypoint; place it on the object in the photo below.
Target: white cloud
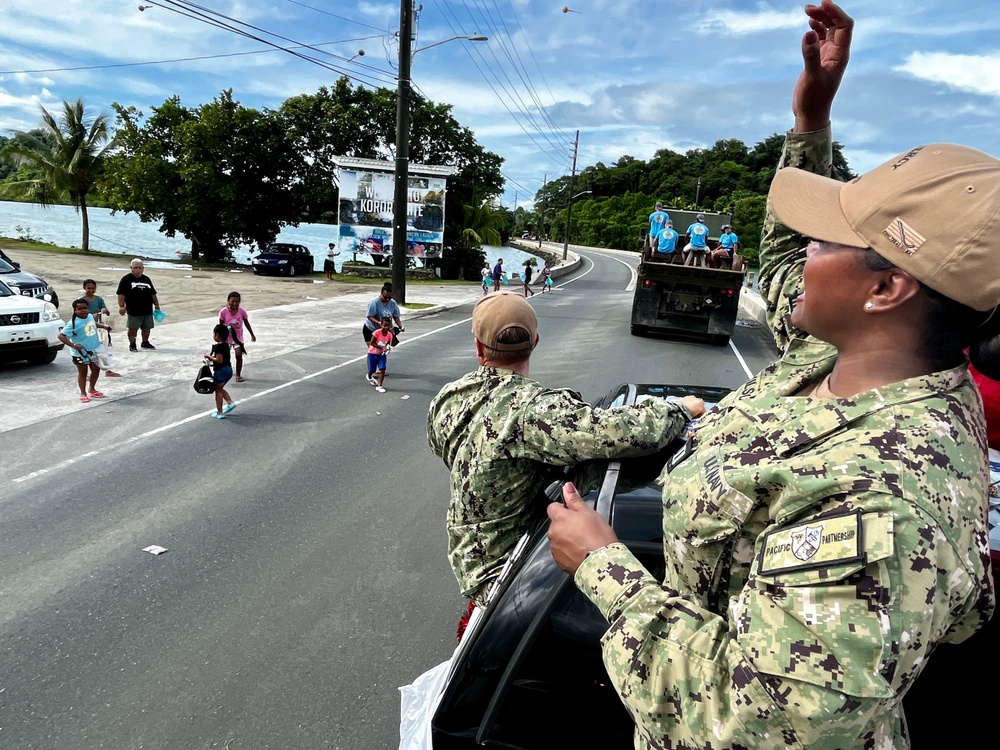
(740, 23)
(978, 74)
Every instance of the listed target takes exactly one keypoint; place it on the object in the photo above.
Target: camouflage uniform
(500, 434)
(817, 549)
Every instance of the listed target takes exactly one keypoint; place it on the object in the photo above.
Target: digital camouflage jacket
(501, 434)
(817, 549)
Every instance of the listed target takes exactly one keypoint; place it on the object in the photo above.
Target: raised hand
(826, 49)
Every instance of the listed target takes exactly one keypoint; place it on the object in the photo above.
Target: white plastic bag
(417, 703)
(105, 357)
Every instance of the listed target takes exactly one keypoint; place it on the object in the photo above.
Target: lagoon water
(125, 234)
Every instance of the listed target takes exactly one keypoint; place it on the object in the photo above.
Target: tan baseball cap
(933, 211)
(499, 312)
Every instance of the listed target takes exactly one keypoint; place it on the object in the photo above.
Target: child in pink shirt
(379, 346)
(235, 317)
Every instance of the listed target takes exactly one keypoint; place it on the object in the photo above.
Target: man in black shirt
(137, 297)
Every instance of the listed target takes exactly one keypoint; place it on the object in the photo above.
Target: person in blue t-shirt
(729, 245)
(657, 220)
(697, 246)
(80, 336)
(665, 243)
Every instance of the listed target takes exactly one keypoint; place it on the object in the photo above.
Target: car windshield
(280, 249)
(5, 291)
(6, 267)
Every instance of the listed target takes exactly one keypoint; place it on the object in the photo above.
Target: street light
(468, 37)
(402, 171)
(569, 215)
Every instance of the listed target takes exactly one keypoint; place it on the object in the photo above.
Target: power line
(521, 104)
(512, 54)
(520, 28)
(182, 59)
(211, 17)
(326, 12)
(500, 98)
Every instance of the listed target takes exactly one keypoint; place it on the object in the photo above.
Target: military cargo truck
(683, 299)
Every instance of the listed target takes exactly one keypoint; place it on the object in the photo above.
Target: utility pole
(541, 212)
(569, 208)
(402, 173)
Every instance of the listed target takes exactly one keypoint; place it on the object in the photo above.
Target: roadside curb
(561, 268)
(752, 306)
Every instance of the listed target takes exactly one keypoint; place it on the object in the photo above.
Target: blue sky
(633, 77)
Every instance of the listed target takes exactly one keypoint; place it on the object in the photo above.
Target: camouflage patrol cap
(933, 211)
(499, 312)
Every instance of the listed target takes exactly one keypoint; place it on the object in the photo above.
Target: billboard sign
(366, 207)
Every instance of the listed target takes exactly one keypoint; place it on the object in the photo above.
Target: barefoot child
(80, 335)
(235, 317)
(222, 369)
(99, 310)
(379, 346)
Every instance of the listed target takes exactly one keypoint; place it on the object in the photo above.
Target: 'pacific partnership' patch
(831, 540)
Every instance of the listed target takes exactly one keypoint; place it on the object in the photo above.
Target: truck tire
(637, 330)
(46, 358)
(719, 339)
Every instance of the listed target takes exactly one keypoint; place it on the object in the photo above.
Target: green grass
(416, 305)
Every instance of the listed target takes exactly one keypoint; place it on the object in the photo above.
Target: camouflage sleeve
(432, 440)
(782, 251)
(558, 428)
(686, 681)
(662, 651)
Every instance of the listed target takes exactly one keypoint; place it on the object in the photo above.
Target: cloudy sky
(632, 77)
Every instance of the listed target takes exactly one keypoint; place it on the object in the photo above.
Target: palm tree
(483, 222)
(67, 156)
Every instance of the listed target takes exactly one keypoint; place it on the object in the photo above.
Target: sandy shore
(184, 294)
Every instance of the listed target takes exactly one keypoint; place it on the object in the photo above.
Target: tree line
(729, 177)
(224, 175)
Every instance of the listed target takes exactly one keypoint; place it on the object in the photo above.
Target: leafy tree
(750, 209)
(352, 121)
(483, 222)
(728, 177)
(64, 158)
(222, 175)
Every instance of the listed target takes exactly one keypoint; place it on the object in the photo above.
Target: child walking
(546, 278)
(80, 335)
(526, 277)
(379, 346)
(235, 317)
(222, 370)
(99, 309)
(487, 275)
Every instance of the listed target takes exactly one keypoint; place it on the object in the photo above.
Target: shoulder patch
(831, 540)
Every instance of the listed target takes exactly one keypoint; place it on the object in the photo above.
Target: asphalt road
(306, 576)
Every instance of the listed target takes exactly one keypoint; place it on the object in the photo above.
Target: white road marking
(631, 287)
(310, 376)
(201, 415)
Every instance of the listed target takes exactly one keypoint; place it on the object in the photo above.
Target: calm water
(125, 234)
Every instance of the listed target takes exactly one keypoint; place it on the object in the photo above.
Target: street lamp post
(402, 169)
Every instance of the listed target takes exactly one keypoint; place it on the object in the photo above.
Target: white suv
(29, 328)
